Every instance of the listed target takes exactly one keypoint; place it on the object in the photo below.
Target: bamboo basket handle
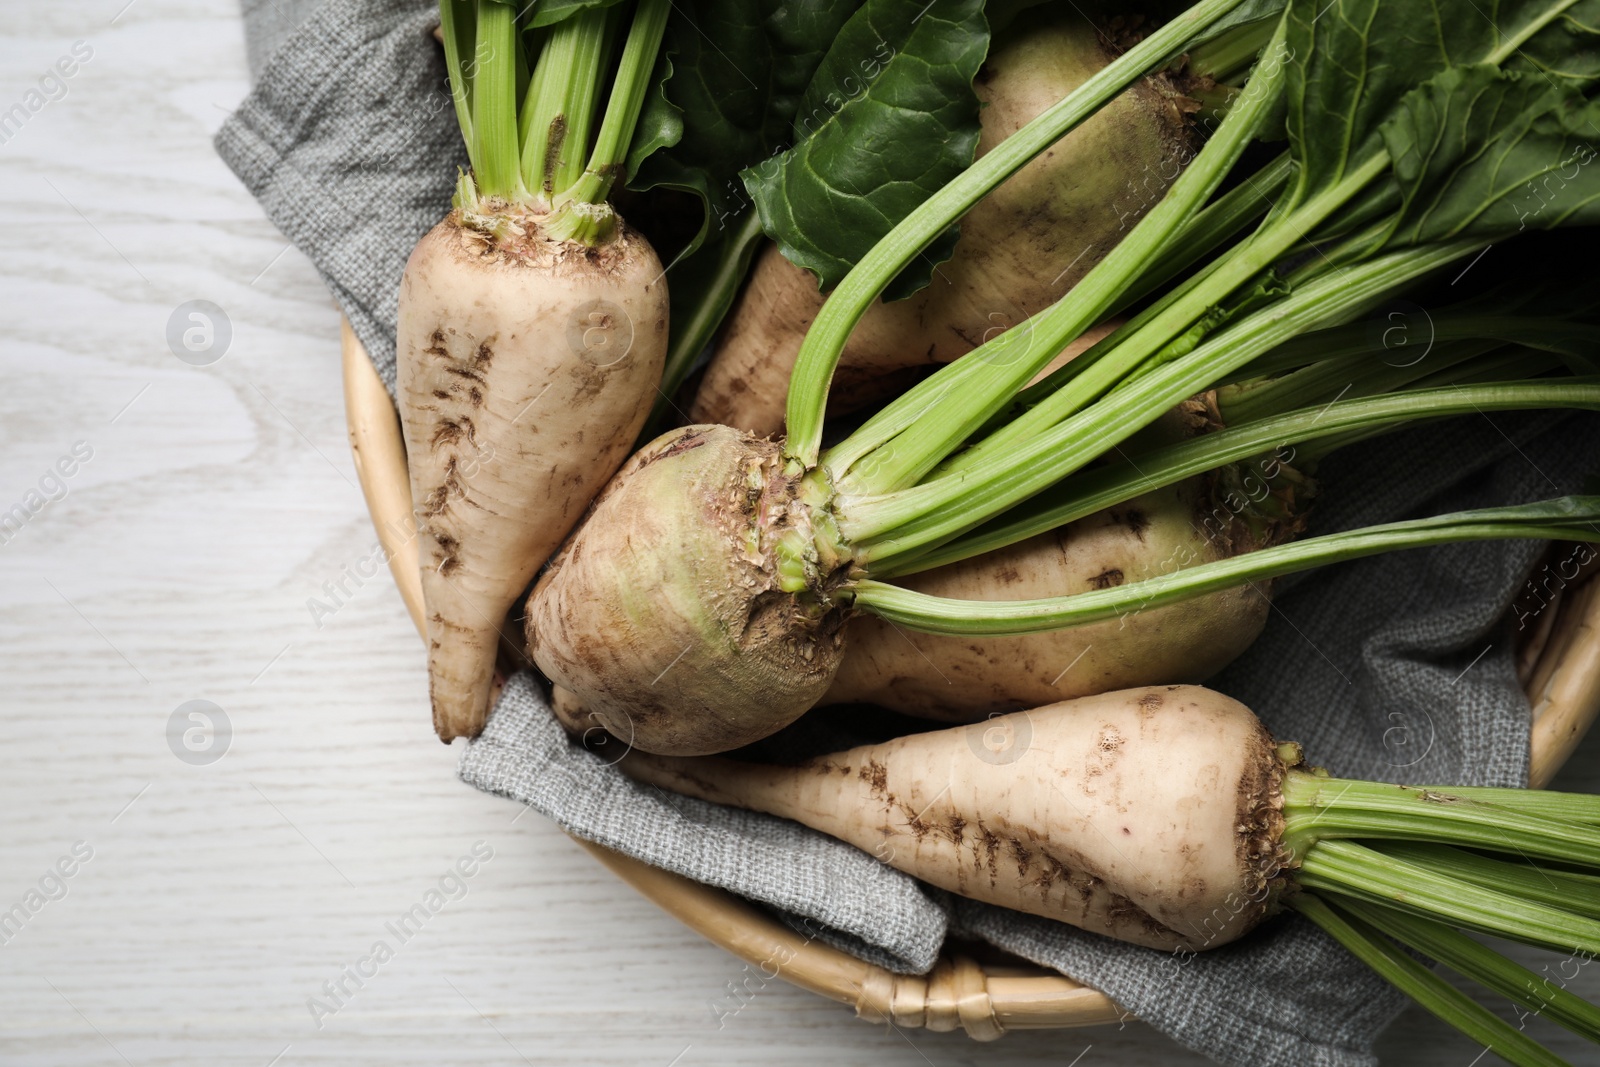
(1566, 691)
(379, 452)
(1563, 686)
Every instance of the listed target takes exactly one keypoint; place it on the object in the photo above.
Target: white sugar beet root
(1020, 249)
(962, 679)
(1168, 817)
(1150, 815)
(526, 368)
(663, 614)
(672, 619)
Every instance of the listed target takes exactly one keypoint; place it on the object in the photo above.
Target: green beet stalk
(1427, 989)
(581, 213)
(1531, 880)
(1538, 994)
(824, 343)
(881, 526)
(1378, 866)
(559, 107)
(1102, 488)
(932, 419)
(915, 475)
(538, 147)
(1567, 518)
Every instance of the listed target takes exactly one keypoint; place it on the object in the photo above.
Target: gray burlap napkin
(1395, 667)
(850, 899)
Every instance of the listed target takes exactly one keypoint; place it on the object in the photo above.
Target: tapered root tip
(451, 722)
(460, 680)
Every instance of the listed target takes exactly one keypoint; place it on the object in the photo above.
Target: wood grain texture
(178, 566)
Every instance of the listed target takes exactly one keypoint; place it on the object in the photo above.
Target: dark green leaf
(1565, 47)
(724, 95)
(726, 91)
(802, 35)
(1480, 152)
(889, 117)
(1002, 13)
(1251, 11)
(1355, 59)
(1569, 49)
(550, 12)
(660, 124)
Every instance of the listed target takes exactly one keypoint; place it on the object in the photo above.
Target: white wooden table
(220, 898)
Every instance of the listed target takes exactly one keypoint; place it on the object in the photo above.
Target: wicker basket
(1559, 666)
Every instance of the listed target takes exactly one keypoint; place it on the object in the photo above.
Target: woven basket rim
(1559, 667)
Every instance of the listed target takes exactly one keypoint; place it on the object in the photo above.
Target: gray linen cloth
(1398, 667)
